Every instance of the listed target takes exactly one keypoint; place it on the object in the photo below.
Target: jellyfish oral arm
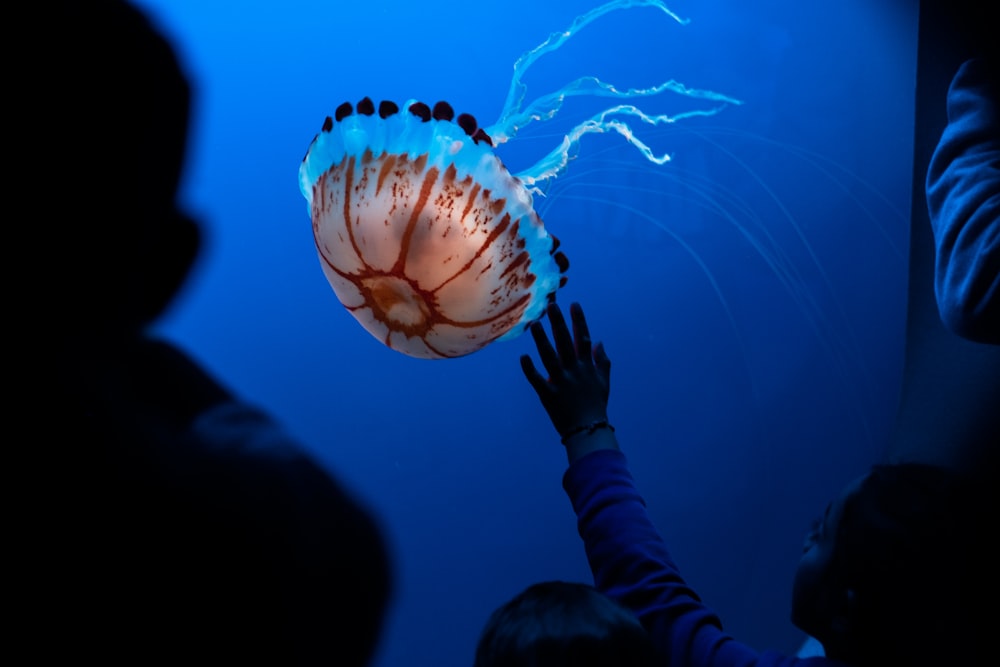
(516, 114)
(557, 160)
(518, 90)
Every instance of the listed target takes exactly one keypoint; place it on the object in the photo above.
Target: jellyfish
(425, 236)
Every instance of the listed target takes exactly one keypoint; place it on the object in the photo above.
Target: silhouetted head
(111, 106)
(563, 624)
(894, 571)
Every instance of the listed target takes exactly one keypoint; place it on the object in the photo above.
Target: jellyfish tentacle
(518, 90)
(557, 160)
(516, 115)
(547, 106)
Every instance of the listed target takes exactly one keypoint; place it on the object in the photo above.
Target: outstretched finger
(561, 336)
(550, 360)
(581, 334)
(602, 361)
(535, 379)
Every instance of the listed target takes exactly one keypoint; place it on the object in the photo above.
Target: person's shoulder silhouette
(173, 522)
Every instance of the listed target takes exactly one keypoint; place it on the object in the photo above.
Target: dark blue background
(751, 293)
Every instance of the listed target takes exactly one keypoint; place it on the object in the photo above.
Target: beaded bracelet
(588, 429)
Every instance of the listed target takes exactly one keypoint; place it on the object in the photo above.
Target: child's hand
(576, 392)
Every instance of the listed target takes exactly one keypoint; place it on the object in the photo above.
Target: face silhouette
(819, 595)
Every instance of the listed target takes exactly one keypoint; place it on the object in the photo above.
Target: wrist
(586, 430)
(589, 438)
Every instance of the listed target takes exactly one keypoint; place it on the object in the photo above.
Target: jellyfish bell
(425, 236)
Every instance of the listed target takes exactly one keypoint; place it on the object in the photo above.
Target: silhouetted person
(563, 624)
(894, 573)
(170, 523)
(950, 391)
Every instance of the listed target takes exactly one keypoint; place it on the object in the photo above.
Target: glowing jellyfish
(424, 235)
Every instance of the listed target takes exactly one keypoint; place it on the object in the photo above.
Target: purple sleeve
(630, 563)
(963, 199)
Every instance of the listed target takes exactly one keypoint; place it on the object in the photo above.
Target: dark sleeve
(963, 199)
(630, 563)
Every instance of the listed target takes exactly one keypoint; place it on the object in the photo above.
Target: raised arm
(628, 558)
(963, 199)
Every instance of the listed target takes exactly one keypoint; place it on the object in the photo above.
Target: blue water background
(751, 293)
